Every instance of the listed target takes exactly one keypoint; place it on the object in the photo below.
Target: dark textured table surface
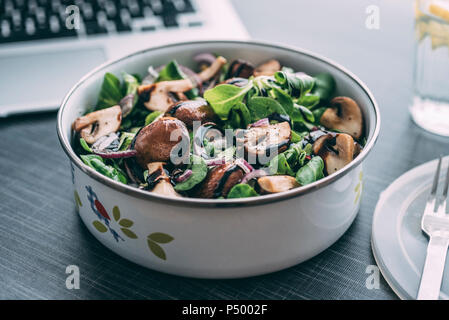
(40, 233)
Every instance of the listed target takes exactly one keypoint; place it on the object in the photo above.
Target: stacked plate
(398, 244)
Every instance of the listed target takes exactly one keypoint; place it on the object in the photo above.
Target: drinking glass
(430, 106)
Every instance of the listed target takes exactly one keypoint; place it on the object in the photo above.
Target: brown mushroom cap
(153, 141)
(192, 110)
(274, 184)
(268, 68)
(161, 180)
(220, 180)
(99, 123)
(240, 68)
(345, 116)
(266, 141)
(337, 150)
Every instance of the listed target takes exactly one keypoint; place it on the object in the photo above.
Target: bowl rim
(200, 202)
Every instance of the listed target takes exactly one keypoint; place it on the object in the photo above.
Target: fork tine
(443, 199)
(432, 204)
(435, 179)
(446, 184)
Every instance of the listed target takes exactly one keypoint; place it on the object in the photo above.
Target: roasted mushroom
(337, 150)
(158, 180)
(209, 72)
(160, 97)
(157, 142)
(344, 115)
(99, 123)
(220, 180)
(240, 68)
(192, 110)
(274, 184)
(262, 143)
(268, 68)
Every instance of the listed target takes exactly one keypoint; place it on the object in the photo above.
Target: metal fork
(435, 223)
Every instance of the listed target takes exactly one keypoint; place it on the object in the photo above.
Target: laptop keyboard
(24, 20)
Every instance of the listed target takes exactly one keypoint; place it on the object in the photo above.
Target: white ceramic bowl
(210, 238)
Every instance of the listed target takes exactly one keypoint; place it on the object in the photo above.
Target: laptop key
(92, 27)
(186, 8)
(5, 29)
(122, 24)
(170, 20)
(148, 28)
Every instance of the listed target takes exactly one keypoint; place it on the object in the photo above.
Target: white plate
(398, 244)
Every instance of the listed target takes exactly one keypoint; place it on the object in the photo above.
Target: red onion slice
(116, 154)
(246, 167)
(253, 175)
(184, 176)
(204, 57)
(126, 104)
(215, 162)
(261, 123)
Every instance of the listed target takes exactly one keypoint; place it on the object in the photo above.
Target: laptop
(46, 46)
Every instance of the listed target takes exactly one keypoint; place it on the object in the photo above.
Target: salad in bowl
(226, 129)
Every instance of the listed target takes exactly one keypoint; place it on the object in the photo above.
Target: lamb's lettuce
(110, 93)
(311, 171)
(263, 107)
(224, 97)
(130, 96)
(324, 86)
(297, 84)
(171, 72)
(152, 116)
(242, 190)
(199, 172)
(239, 116)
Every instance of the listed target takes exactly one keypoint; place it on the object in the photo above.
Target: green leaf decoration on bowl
(99, 226)
(126, 223)
(358, 188)
(116, 213)
(160, 237)
(157, 250)
(156, 238)
(129, 233)
(78, 202)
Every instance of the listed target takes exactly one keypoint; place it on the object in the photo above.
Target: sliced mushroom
(268, 68)
(212, 70)
(240, 68)
(345, 116)
(220, 180)
(357, 148)
(157, 142)
(274, 184)
(160, 98)
(159, 181)
(192, 110)
(99, 123)
(337, 150)
(262, 143)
